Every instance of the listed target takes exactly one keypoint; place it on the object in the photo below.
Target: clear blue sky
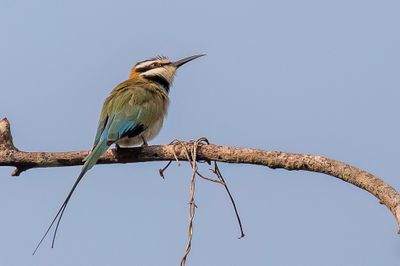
(318, 77)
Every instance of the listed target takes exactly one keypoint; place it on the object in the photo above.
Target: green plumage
(132, 114)
(135, 102)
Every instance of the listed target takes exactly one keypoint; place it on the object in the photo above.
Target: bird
(132, 114)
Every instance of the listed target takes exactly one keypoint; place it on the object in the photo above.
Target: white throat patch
(167, 72)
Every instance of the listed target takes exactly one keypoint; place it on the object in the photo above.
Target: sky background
(319, 77)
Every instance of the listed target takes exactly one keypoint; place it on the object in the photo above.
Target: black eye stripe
(143, 69)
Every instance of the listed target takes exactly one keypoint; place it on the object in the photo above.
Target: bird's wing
(128, 111)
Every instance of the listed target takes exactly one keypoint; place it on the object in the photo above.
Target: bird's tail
(94, 155)
(90, 161)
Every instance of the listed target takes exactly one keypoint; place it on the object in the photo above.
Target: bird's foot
(145, 144)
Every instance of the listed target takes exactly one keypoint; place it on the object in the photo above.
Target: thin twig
(175, 141)
(162, 170)
(219, 174)
(192, 159)
(208, 178)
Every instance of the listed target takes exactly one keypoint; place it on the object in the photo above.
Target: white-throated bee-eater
(132, 114)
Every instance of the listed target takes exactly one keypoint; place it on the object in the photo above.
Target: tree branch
(387, 195)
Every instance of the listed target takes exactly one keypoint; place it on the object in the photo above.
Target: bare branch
(387, 195)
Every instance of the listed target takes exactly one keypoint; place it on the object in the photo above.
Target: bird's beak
(185, 60)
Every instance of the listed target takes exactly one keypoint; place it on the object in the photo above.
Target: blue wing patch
(123, 128)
